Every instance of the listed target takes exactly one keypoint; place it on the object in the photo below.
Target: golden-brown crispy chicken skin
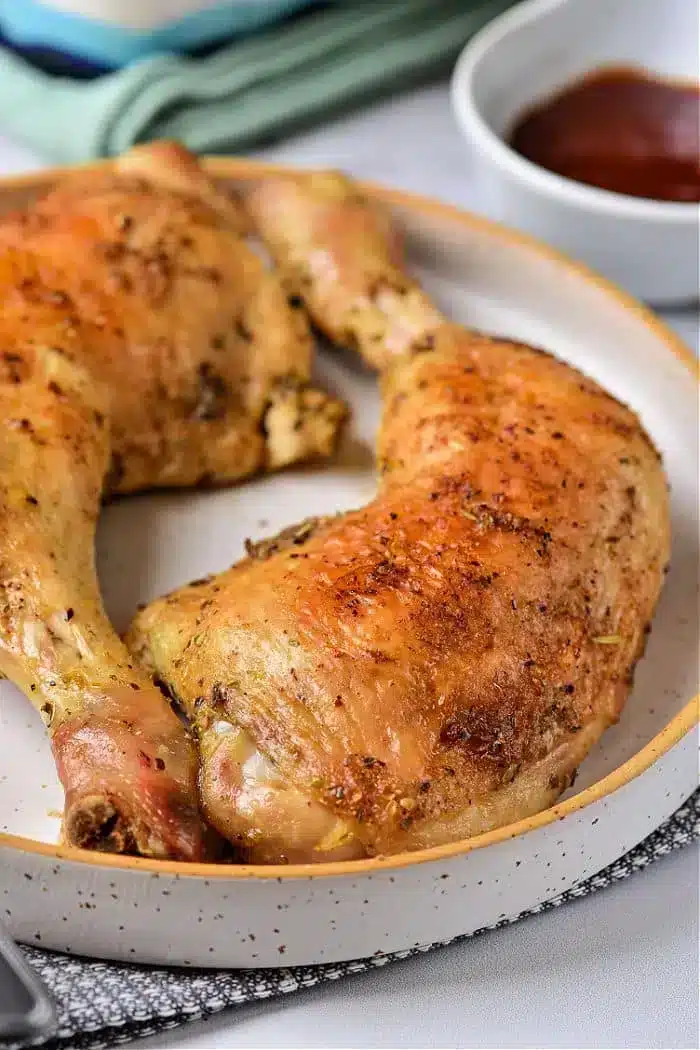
(142, 343)
(439, 662)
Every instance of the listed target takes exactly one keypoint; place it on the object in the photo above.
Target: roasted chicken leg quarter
(142, 343)
(439, 662)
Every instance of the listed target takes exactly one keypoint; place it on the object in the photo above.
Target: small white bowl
(651, 248)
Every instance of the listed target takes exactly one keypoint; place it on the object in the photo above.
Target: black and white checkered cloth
(104, 1004)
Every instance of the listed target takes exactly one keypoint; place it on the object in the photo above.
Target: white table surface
(617, 969)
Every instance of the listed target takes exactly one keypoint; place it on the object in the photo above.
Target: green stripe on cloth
(270, 84)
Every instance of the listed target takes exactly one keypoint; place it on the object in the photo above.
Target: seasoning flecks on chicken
(439, 662)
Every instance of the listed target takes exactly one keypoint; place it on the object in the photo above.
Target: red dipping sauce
(620, 129)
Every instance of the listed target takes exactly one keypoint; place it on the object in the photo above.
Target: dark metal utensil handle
(26, 1011)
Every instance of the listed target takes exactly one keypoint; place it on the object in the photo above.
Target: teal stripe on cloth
(33, 23)
(268, 84)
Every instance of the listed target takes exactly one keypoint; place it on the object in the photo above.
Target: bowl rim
(547, 183)
(682, 723)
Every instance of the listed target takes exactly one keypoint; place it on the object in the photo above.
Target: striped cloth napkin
(248, 91)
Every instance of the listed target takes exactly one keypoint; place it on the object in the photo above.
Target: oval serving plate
(233, 916)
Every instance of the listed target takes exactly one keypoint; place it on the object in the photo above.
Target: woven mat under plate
(103, 1004)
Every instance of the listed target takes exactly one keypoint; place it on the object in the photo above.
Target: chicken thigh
(439, 662)
(142, 343)
(206, 363)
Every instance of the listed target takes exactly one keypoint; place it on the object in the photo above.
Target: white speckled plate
(642, 770)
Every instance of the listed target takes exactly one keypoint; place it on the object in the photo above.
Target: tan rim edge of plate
(671, 734)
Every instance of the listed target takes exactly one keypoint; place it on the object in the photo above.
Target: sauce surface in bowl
(621, 129)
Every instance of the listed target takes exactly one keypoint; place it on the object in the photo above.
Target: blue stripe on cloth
(30, 26)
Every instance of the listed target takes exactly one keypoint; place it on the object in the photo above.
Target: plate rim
(682, 723)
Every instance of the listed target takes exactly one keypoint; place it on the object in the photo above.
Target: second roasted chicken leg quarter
(439, 662)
